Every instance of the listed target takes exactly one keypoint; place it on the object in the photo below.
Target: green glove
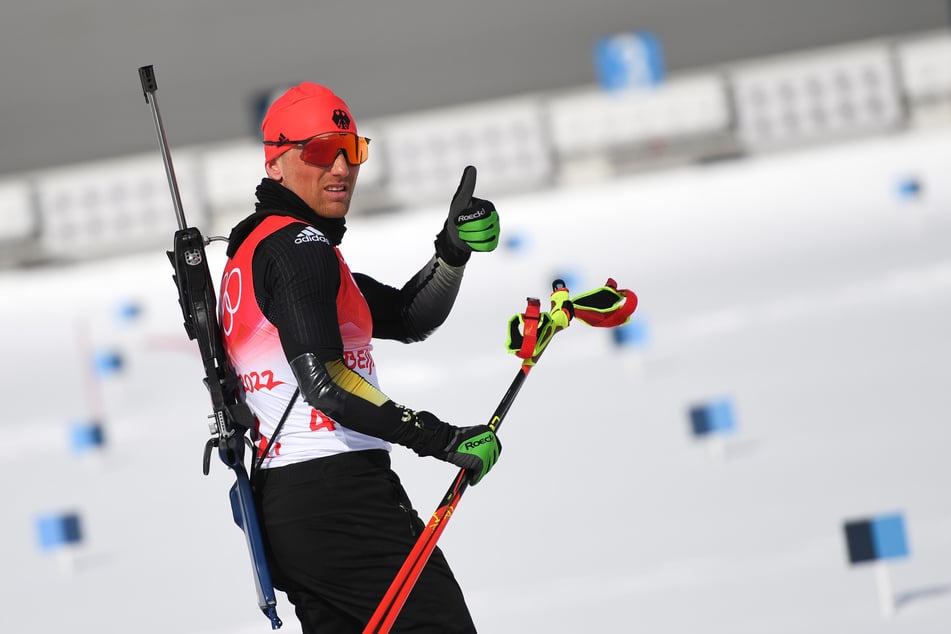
(475, 449)
(472, 225)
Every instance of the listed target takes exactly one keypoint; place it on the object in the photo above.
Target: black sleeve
(414, 311)
(296, 287)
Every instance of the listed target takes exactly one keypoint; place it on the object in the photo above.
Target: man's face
(327, 189)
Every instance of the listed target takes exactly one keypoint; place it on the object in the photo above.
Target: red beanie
(304, 111)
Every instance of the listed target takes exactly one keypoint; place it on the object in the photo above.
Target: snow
(802, 286)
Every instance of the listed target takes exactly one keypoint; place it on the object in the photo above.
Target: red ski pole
(534, 342)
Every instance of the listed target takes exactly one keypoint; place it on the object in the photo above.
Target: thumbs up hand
(472, 225)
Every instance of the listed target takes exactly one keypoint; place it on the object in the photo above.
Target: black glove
(475, 449)
(472, 225)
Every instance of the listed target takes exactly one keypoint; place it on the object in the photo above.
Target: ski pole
(401, 586)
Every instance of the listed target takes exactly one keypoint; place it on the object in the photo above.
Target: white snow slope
(800, 286)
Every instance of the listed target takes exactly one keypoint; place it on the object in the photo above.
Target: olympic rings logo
(228, 306)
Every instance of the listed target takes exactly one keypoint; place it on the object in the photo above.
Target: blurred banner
(635, 119)
(629, 60)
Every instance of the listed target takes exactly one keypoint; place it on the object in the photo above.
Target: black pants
(337, 531)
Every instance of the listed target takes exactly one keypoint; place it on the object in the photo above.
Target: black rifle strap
(256, 465)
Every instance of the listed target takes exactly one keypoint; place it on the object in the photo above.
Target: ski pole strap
(530, 332)
(523, 330)
(605, 307)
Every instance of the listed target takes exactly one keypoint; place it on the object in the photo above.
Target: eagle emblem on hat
(342, 119)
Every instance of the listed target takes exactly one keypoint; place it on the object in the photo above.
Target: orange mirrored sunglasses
(324, 148)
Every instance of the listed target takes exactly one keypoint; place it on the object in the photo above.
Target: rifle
(231, 418)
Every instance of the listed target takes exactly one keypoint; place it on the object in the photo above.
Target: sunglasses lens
(323, 149)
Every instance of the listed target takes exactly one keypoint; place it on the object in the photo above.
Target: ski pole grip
(562, 310)
(147, 76)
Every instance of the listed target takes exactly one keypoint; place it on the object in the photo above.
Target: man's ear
(274, 169)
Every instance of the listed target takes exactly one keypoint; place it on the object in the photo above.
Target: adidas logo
(309, 234)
